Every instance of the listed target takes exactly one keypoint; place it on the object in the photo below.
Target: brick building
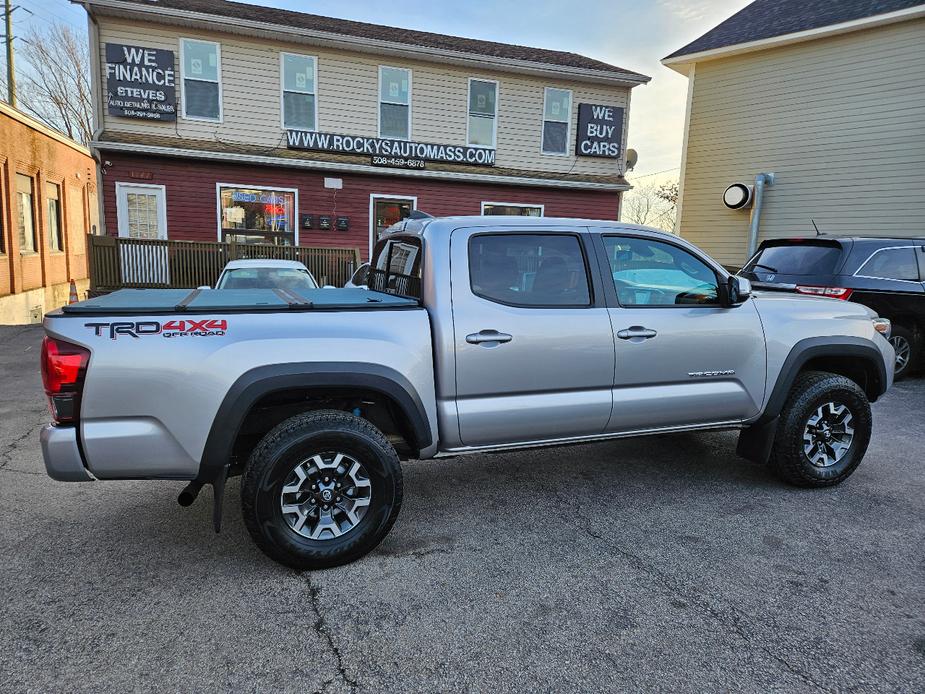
(220, 120)
(48, 204)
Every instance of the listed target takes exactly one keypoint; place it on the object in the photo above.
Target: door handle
(483, 336)
(636, 333)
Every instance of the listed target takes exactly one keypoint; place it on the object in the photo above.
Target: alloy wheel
(326, 496)
(903, 351)
(828, 434)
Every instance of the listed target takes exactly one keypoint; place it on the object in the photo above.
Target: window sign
(200, 68)
(600, 131)
(557, 112)
(299, 100)
(140, 82)
(483, 112)
(394, 103)
(257, 215)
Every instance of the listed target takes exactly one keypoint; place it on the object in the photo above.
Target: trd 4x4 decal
(207, 327)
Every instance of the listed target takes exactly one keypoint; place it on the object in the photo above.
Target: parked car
(358, 279)
(886, 274)
(266, 274)
(491, 334)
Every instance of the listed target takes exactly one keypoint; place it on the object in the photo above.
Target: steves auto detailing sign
(389, 149)
(140, 82)
(600, 131)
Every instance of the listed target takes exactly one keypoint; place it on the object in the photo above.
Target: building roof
(765, 19)
(376, 32)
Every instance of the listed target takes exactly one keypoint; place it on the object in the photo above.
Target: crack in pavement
(6, 455)
(322, 630)
(733, 620)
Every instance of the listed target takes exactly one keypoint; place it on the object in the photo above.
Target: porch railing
(120, 263)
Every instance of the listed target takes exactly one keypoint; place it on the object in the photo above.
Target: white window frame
(122, 213)
(511, 204)
(282, 88)
(218, 58)
(568, 123)
(296, 224)
(379, 101)
(372, 213)
(36, 232)
(494, 128)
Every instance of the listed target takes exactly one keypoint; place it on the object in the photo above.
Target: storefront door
(141, 211)
(386, 210)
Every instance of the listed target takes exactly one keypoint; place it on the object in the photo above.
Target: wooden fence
(119, 263)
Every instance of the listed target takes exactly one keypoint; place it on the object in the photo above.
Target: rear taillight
(63, 369)
(831, 292)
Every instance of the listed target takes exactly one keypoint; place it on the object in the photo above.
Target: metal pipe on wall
(761, 180)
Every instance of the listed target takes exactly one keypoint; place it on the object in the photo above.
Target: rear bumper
(63, 461)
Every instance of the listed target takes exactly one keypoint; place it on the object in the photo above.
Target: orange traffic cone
(72, 299)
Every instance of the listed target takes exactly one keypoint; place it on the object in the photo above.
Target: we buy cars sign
(600, 131)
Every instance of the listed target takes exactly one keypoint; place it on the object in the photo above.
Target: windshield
(802, 258)
(293, 279)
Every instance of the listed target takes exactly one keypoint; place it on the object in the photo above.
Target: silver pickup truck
(476, 334)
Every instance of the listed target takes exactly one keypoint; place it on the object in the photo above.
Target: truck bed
(151, 302)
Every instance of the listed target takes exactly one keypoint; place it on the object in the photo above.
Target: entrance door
(142, 215)
(534, 345)
(386, 210)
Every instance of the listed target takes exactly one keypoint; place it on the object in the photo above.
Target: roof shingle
(765, 19)
(377, 32)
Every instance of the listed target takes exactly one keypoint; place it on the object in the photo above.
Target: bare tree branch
(54, 86)
(652, 205)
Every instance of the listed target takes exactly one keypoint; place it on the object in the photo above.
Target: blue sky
(631, 34)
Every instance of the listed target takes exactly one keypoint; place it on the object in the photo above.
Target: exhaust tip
(189, 493)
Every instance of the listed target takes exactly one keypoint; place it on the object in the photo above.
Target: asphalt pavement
(657, 564)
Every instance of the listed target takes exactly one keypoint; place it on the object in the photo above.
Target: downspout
(761, 180)
(93, 35)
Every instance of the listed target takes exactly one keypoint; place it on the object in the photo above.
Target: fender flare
(756, 440)
(265, 380)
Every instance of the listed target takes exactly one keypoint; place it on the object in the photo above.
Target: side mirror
(736, 291)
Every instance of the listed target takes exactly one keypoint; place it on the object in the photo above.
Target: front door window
(388, 212)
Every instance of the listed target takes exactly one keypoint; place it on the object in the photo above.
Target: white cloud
(688, 10)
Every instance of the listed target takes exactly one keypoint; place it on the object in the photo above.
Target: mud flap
(756, 441)
(218, 491)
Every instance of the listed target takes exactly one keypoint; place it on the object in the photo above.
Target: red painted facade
(192, 206)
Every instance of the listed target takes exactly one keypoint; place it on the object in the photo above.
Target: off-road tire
(914, 350)
(812, 390)
(298, 439)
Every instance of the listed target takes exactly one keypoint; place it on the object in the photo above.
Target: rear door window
(532, 270)
(891, 264)
(804, 258)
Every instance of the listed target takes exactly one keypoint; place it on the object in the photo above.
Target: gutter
(280, 32)
(365, 169)
(680, 63)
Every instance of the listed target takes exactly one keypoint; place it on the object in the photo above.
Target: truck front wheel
(823, 430)
(321, 489)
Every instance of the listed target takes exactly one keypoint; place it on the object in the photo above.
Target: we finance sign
(140, 82)
(382, 147)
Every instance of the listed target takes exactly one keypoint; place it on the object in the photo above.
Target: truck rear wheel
(321, 489)
(823, 431)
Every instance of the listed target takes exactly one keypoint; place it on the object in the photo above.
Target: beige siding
(347, 99)
(841, 121)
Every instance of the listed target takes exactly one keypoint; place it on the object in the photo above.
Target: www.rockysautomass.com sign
(377, 146)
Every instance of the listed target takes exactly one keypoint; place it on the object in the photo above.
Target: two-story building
(220, 120)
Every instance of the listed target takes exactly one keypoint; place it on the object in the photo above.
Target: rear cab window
(396, 267)
(796, 257)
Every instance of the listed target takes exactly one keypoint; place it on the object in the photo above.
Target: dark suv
(888, 275)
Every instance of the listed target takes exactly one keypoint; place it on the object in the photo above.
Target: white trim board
(319, 165)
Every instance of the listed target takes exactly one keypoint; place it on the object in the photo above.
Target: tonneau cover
(157, 301)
